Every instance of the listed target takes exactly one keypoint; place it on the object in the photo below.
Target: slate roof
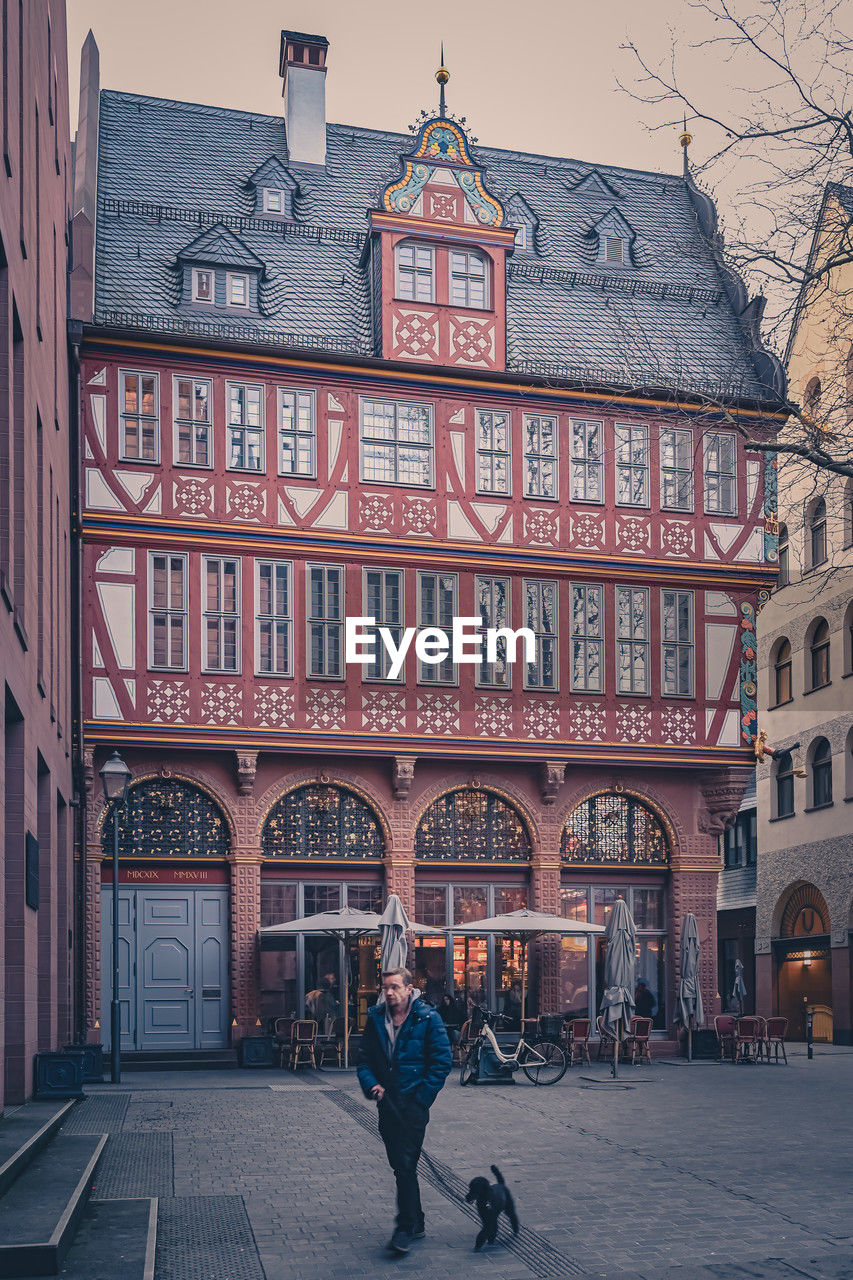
(170, 171)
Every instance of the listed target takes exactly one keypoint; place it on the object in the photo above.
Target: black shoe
(419, 1233)
(400, 1241)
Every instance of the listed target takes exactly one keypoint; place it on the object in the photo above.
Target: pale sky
(536, 76)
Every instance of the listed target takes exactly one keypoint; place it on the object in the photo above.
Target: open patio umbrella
(739, 989)
(523, 926)
(344, 924)
(617, 1003)
(689, 992)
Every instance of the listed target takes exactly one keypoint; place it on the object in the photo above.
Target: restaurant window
(586, 461)
(325, 626)
(278, 902)
(632, 464)
(140, 416)
(437, 594)
(471, 826)
(612, 828)
(587, 638)
(193, 401)
(493, 452)
(782, 665)
(540, 617)
(676, 469)
(540, 456)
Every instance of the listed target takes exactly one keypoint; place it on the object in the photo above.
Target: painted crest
(442, 144)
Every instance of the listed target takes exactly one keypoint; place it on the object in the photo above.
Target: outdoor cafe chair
(774, 1037)
(303, 1039)
(281, 1029)
(606, 1039)
(748, 1039)
(637, 1039)
(331, 1047)
(724, 1027)
(577, 1039)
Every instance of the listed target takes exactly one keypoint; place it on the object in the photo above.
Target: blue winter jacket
(421, 1060)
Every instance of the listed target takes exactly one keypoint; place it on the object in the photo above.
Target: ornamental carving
(471, 826)
(321, 821)
(722, 794)
(166, 818)
(615, 829)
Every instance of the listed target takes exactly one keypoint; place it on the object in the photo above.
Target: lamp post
(115, 776)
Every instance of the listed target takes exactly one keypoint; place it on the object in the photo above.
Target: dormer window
(614, 250)
(237, 289)
(202, 286)
(468, 280)
(521, 239)
(415, 272)
(275, 200)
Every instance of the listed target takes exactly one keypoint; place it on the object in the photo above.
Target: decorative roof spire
(685, 140)
(442, 76)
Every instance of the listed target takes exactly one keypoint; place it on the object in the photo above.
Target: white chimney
(302, 66)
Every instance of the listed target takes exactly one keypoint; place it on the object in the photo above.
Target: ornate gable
(441, 182)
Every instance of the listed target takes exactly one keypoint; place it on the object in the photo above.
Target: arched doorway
(804, 962)
(614, 845)
(472, 860)
(323, 844)
(173, 918)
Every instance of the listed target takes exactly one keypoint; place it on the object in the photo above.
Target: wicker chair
(748, 1039)
(303, 1040)
(724, 1027)
(637, 1039)
(577, 1039)
(774, 1037)
(606, 1039)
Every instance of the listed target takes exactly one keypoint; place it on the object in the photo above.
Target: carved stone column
(545, 953)
(693, 887)
(245, 868)
(92, 1001)
(400, 877)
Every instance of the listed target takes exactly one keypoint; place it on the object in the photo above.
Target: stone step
(115, 1238)
(40, 1211)
(181, 1060)
(24, 1133)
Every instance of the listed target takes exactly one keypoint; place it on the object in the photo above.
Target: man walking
(403, 1062)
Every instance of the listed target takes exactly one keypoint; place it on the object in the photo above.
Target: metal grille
(135, 1164)
(471, 826)
(615, 829)
(205, 1238)
(319, 821)
(165, 818)
(98, 1114)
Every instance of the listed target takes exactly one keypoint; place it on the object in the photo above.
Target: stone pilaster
(544, 954)
(693, 887)
(92, 1003)
(245, 869)
(400, 878)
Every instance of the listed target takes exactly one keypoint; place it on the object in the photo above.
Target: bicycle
(542, 1062)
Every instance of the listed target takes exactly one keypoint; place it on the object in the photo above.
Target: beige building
(804, 908)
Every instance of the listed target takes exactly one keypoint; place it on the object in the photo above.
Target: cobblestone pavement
(675, 1172)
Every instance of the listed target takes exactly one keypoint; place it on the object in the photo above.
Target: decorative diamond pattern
(192, 496)
(383, 711)
(472, 340)
(438, 713)
(541, 719)
(676, 537)
(493, 717)
(633, 722)
(587, 721)
(418, 515)
(632, 534)
(168, 701)
(221, 703)
(325, 708)
(678, 725)
(274, 705)
(246, 501)
(587, 530)
(377, 512)
(541, 526)
(443, 206)
(416, 334)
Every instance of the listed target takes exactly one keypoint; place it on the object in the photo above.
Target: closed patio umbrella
(689, 992)
(523, 926)
(393, 924)
(617, 1003)
(739, 989)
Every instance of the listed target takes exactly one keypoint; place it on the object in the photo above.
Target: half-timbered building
(331, 373)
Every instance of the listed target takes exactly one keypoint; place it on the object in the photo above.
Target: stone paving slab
(703, 1172)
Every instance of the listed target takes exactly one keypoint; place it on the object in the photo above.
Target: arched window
(819, 654)
(321, 821)
(615, 829)
(805, 913)
(817, 534)
(469, 279)
(166, 818)
(415, 272)
(782, 689)
(821, 754)
(784, 557)
(811, 399)
(784, 785)
(471, 826)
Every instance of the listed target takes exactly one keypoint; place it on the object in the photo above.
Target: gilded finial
(685, 140)
(442, 76)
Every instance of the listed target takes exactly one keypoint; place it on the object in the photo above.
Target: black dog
(491, 1201)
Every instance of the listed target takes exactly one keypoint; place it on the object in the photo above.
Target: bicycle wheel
(544, 1063)
(468, 1070)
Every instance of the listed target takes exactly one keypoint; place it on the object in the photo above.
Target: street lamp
(115, 776)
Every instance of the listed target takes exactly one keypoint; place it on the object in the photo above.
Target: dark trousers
(402, 1129)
